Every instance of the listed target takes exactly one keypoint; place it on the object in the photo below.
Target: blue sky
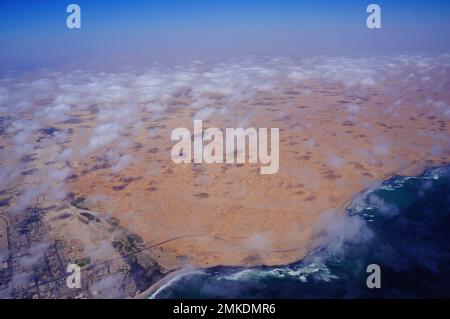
(33, 33)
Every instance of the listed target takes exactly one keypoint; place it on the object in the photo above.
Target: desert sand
(222, 214)
(342, 131)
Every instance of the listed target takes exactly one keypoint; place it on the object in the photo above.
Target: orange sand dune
(334, 143)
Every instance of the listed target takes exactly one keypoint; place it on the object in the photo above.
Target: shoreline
(178, 273)
(345, 125)
(167, 279)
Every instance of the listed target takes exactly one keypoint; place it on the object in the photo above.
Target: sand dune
(345, 125)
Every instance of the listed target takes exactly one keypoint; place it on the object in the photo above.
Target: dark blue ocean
(403, 226)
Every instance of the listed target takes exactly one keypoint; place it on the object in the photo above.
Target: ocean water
(403, 226)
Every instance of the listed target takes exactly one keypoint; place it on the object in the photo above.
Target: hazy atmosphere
(107, 187)
(142, 32)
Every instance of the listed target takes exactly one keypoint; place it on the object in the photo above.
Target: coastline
(101, 181)
(167, 279)
(172, 277)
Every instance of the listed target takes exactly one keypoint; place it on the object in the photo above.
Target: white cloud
(123, 162)
(335, 161)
